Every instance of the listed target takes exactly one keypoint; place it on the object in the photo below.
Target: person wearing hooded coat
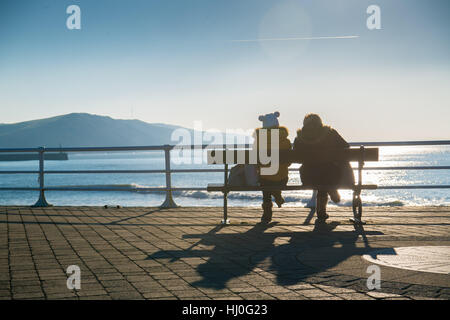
(316, 136)
(270, 122)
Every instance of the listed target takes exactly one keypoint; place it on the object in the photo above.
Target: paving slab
(185, 253)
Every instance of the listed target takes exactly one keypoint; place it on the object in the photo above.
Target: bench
(239, 156)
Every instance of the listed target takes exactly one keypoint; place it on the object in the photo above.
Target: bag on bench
(237, 176)
(244, 175)
(251, 175)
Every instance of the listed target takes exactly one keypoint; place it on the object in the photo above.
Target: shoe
(279, 201)
(335, 196)
(267, 215)
(322, 219)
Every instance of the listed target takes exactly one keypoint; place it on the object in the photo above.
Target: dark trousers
(322, 193)
(267, 195)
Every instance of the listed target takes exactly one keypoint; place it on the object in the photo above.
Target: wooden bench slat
(234, 156)
(221, 187)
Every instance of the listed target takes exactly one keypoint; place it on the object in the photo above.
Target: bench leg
(225, 220)
(357, 208)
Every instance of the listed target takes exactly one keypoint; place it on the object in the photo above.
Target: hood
(313, 135)
(283, 132)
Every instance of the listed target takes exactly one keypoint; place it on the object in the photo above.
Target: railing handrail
(204, 170)
(207, 146)
(168, 171)
(401, 143)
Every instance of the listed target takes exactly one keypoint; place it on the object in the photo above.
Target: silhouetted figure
(270, 122)
(315, 136)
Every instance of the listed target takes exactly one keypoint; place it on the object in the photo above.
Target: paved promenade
(183, 253)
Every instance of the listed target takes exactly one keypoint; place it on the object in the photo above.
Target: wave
(289, 198)
(252, 197)
(126, 187)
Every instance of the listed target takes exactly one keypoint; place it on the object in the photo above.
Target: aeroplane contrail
(291, 39)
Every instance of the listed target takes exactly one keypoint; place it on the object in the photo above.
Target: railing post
(225, 195)
(168, 202)
(41, 201)
(356, 203)
(361, 165)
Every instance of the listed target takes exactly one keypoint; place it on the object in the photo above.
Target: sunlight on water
(389, 157)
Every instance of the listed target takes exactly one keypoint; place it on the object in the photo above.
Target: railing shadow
(136, 217)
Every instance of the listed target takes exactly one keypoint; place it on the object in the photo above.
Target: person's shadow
(292, 256)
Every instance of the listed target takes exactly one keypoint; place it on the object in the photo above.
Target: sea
(389, 157)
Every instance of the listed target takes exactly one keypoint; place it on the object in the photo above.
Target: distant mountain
(84, 130)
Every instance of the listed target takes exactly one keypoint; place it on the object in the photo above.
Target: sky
(179, 61)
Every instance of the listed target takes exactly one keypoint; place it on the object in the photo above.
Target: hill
(84, 130)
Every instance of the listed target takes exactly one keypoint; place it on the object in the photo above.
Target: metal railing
(168, 189)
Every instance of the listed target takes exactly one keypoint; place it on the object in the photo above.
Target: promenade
(184, 253)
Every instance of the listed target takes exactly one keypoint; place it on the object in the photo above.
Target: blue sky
(175, 61)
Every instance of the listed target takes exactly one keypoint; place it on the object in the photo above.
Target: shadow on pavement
(291, 256)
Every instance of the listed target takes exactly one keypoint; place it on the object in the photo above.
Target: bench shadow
(291, 256)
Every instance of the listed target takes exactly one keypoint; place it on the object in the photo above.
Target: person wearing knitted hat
(280, 178)
(316, 136)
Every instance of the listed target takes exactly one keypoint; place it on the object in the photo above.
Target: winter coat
(324, 173)
(284, 144)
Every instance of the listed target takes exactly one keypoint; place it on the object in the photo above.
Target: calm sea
(389, 156)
